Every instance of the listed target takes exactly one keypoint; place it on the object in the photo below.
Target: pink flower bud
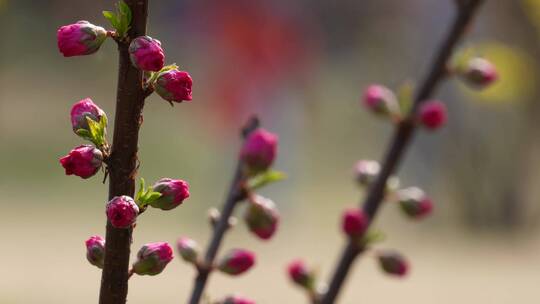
(259, 151)
(83, 109)
(262, 217)
(380, 100)
(236, 261)
(122, 211)
(480, 73)
(152, 258)
(236, 300)
(174, 85)
(355, 222)
(173, 193)
(300, 274)
(95, 250)
(81, 38)
(366, 171)
(146, 54)
(83, 161)
(393, 263)
(414, 202)
(433, 114)
(188, 249)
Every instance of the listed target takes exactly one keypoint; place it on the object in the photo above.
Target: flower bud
(122, 211)
(146, 54)
(433, 114)
(83, 109)
(480, 73)
(152, 258)
(81, 38)
(355, 222)
(380, 100)
(83, 161)
(366, 171)
(393, 263)
(174, 86)
(173, 193)
(236, 300)
(188, 249)
(414, 202)
(259, 151)
(95, 251)
(300, 274)
(262, 217)
(236, 261)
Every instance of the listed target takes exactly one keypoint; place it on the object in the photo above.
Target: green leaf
(141, 191)
(84, 134)
(372, 237)
(265, 178)
(405, 95)
(112, 18)
(96, 132)
(151, 196)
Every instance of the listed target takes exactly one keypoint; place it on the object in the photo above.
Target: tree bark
(122, 162)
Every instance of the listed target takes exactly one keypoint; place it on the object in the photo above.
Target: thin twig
(122, 160)
(234, 195)
(400, 141)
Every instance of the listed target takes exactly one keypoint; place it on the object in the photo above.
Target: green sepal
(267, 177)
(405, 97)
(145, 196)
(121, 19)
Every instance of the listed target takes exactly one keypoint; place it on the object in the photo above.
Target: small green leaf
(405, 97)
(151, 196)
(96, 132)
(372, 237)
(84, 134)
(141, 191)
(113, 19)
(125, 12)
(265, 178)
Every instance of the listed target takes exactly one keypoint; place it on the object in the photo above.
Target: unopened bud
(480, 73)
(259, 151)
(354, 222)
(380, 100)
(146, 54)
(366, 171)
(433, 114)
(393, 263)
(300, 274)
(414, 202)
(173, 193)
(188, 249)
(82, 110)
(174, 85)
(262, 217)
(81, 38)
(122, 211)
(152, 258)
(83, 161)
(95, 251)
(237, 261)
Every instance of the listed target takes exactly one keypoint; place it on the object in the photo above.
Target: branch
(401, 139)
(123, 160)
(235, 194)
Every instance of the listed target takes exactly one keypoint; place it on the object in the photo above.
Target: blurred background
(302, 66)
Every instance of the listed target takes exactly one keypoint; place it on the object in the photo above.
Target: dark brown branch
(123, 160)
(234, 195)
(400, 141)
